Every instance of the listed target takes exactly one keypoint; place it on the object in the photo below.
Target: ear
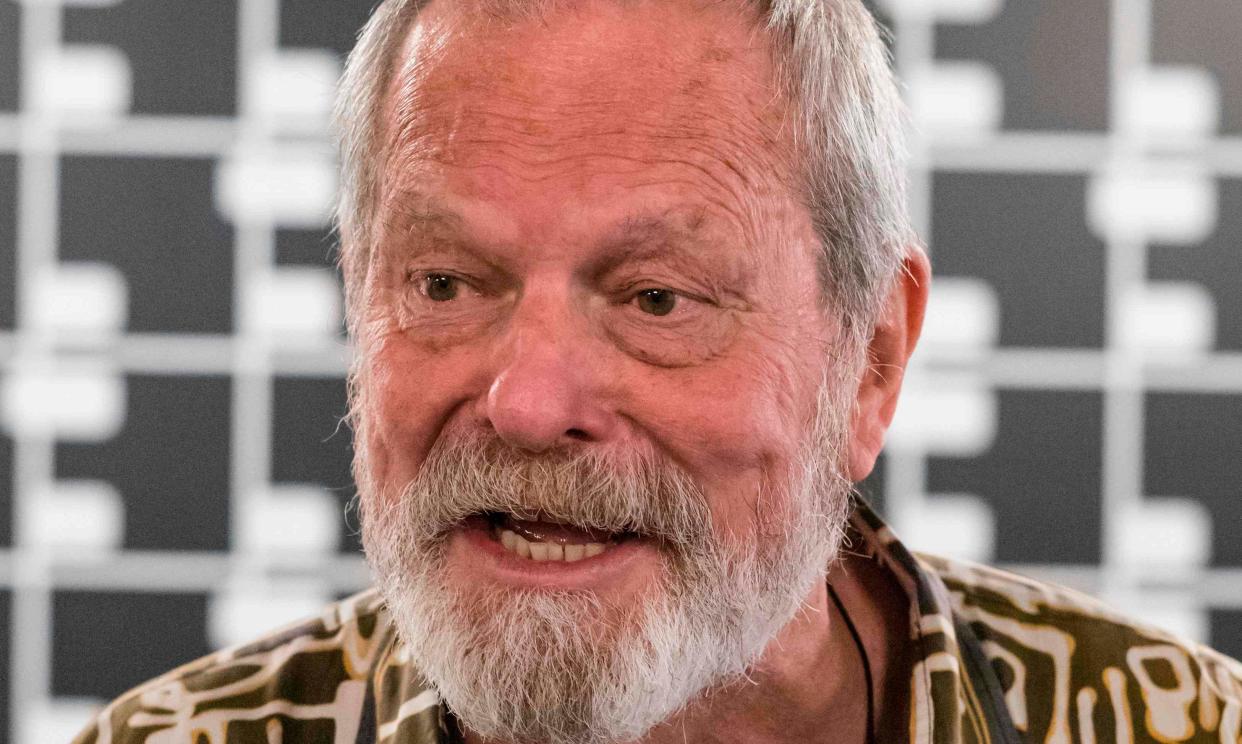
(892, 342)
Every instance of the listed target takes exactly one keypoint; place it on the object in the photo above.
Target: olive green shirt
(998, 658)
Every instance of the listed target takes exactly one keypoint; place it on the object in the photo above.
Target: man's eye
(656, 301)
(440, 287)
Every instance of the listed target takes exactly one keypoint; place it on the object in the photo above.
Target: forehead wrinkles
(546, 97)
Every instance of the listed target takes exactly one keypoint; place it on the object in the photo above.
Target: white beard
(563, 667)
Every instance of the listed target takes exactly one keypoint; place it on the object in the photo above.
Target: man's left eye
(657, 302)
(440, 287)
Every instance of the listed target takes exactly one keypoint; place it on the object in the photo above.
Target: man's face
(593, 317)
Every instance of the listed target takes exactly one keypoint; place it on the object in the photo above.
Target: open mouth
(542, 540)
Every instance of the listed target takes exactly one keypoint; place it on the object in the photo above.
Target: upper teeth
(548, 551)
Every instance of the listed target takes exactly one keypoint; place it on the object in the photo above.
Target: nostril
(578, 434)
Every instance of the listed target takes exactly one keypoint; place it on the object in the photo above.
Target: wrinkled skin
(530, 199)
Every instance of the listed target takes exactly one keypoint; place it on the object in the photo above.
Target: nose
(546, 390)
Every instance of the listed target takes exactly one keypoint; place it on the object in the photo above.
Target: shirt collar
(955, 697)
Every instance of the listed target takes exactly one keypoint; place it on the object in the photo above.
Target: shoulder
(305, 682)
(1069, 663)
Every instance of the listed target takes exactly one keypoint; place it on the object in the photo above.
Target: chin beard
(564, 667)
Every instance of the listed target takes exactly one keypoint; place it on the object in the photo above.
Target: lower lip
(478, 545)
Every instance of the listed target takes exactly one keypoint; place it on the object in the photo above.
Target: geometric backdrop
(173, 475)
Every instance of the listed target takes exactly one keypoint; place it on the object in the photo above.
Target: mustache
(469, 475)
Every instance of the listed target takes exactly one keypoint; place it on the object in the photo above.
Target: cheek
(733, 429)
(748, 408)
(409, 397)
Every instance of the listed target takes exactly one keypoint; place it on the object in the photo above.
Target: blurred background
(172, 474)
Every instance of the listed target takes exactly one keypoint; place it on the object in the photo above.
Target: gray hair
(848, 130)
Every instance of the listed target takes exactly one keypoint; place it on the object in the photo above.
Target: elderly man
(632, 289)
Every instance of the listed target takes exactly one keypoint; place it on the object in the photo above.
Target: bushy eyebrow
(648, 230)
(412, 211)
(686, 237)
(419, 221)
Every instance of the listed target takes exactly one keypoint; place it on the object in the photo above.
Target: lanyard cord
(866, 665)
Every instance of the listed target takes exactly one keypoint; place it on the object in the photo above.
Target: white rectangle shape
(77, 519)
(955, 101)
(56, 720)
(1174, 321)
(80, 297)
(1170, 103)
(963, 314)
(292, 90)
(1176, 208)
(959, 526)
(291, 187)
(291, 520)
(293, 305)
(944, 415)
(957, 12)
(77, 405)
(246, 610)
(1163, 533)
(84, 85)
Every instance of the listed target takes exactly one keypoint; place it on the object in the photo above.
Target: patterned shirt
(998, 658)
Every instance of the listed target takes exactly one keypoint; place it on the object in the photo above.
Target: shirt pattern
(1000, 659)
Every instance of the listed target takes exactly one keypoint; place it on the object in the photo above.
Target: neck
(809, 684)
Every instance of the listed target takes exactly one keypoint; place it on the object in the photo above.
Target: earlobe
(892, 342)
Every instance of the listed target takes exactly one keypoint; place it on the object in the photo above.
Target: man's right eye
(440, 287)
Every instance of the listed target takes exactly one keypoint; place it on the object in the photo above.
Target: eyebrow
(416, 219)
(647, 229)
(685, 235)
(413, 210)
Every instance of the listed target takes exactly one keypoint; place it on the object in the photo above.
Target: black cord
(866, 665)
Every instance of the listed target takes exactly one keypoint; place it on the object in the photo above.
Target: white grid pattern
(1175, 594)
